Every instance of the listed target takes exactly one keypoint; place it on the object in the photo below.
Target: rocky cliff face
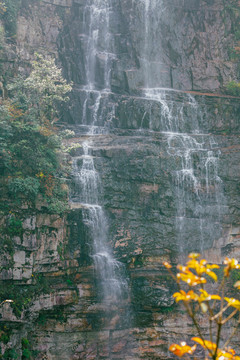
(188, 50)
(168, 164)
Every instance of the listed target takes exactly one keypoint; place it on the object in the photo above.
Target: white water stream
(87, 190)
(198, 187)
(112, 286)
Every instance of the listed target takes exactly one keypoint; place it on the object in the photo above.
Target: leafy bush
(26, 354)
(28, 186)
(25, 343)
(57, 206)
(67, 134)
(10, 354)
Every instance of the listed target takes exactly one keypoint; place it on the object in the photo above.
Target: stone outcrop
(47, 265)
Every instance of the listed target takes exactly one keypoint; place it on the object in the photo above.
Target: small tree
(42, 91)
(191, 281)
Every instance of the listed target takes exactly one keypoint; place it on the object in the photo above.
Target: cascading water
(198, 187)
(98, 56)
(112, 285)
(87, 188)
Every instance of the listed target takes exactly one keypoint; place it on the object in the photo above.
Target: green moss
(14, 226)
(24, 342)
(233, 88)
(24, 295)
(26, 354)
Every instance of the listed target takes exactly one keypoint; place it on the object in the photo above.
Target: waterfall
(98, 55)
(112, 285)
(87, 188)
(195, 155)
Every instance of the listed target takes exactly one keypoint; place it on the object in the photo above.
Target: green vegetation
(37, 96)
(233, 88)
(10, 354)
(14, 227)
(29, 146)
(26, 352)
(8, 12)
(24, 295)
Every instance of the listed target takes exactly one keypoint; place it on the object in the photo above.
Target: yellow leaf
(190, 278)
(233, 302)
(167, 265)
(211, 274)
(226, 355)
(194, 256)
(183, 296)
(205, 344)
(207, 297)
(230, 265)
(180, 350)
(203, 262)
(213, 266)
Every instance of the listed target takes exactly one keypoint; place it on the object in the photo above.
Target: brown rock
(119, 346)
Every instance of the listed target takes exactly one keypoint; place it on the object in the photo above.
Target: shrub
(10, 354)
(215, 309)
(29, 145)
(233, 88)
(57, 206)
(26, 354)
(67, 134)
(28, 186)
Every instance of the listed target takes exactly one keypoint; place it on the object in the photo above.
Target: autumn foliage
(192, 280)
